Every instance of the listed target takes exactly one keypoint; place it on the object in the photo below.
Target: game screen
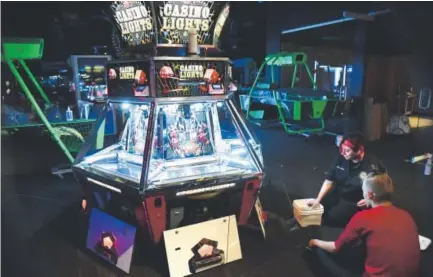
(111, 239)
(189, 78)
(128, 79)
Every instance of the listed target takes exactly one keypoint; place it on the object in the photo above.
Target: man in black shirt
(341, 192)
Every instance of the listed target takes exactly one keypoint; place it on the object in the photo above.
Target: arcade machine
(66, 131)
(333, 78)
(90, 87)
(244, 71)
(300, 110)
(183, 154)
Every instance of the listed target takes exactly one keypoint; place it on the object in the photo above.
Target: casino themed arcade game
(184, 154)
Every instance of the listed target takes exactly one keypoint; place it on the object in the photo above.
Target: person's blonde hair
(381, 185)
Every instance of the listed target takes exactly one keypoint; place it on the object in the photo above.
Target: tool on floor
(428, 164)
(424, 242)
(60, 170)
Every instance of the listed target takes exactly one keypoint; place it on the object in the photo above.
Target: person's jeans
(345, 264)
(338, 212)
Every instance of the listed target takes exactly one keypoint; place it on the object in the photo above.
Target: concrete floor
(40, 220)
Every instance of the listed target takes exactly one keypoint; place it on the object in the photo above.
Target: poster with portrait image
(260, 215)
(111, 239)
(203, 246)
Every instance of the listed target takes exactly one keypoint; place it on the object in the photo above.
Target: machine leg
(248, 198)
(154, 216)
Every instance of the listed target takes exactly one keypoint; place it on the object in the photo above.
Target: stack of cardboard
(375, 120)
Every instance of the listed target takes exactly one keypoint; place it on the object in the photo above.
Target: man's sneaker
(289, 225)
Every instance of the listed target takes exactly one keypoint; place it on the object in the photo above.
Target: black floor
(40, 223)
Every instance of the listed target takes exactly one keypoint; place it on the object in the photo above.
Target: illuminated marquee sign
(135, 21)
(183, 17)
(168, 22)
(177, 17)
(220, 23)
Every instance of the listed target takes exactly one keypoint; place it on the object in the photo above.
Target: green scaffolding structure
(298, 103)
(22, 49)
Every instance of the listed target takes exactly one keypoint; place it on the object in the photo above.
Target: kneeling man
(388, 235)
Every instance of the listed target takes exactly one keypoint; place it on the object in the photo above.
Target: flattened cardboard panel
(260, 215)
(195, 248)
(111, 239)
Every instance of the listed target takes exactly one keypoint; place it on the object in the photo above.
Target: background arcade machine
(244, 72)
(333, 78)
(37, 113)
(300, 110)
(182, 156)
(89, 84)
(338, 80)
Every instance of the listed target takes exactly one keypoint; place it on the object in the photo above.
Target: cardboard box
(306, 215)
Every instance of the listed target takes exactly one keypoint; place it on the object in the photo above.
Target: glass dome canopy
(166, 143)
(177, 126)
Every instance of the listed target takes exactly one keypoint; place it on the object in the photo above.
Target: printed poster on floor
(199, 247)
(111, 239)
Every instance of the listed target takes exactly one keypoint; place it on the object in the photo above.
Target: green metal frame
(296, 60)
(28, 49)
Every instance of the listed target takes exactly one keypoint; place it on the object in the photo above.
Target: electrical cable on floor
(287, 195)
(38, 197)
(228, 229)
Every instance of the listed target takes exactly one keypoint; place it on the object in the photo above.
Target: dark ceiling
(404, 30)
(74, 27)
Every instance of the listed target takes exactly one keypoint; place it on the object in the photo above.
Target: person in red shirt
(388, 235)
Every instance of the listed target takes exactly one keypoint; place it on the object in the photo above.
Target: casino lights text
(191, 71)
(185, 17)
(126, 72)
(134, 20)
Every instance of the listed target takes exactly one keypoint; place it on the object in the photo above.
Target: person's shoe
(290, 225)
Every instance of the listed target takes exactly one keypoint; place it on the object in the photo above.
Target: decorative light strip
(207, 189)
(104, 185)
(327, 23)
(318, 25)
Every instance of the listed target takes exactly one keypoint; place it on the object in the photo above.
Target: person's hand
(312, 243)
(312, 203)
(362, 203)
(83, 204)
(338, 140)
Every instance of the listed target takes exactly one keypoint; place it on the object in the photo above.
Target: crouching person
(383, 239)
